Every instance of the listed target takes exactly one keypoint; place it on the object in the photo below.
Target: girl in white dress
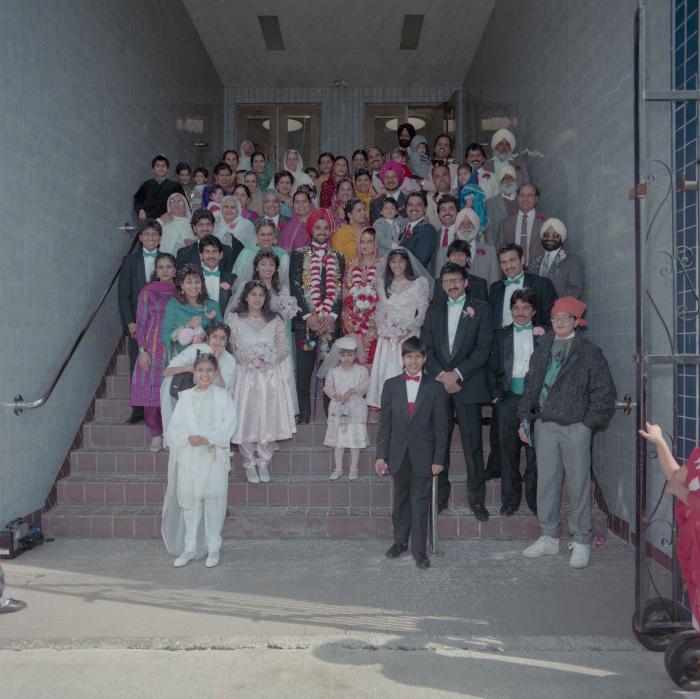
(261, 391)
(346, 386)
(199, 435)
(403, 301)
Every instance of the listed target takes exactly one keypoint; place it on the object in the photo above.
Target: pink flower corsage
(562, 254)
(468, 312)
(185, 336)
(481, 251)
(407, 234)
(210, 314)
(197, 339)
(538, 330)
(225, 286)
(540, 217)
(487, 176)
(517, 167)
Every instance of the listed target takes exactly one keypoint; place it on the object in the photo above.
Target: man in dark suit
(418, 236)
(513, 346)
(135, 273)
(316, 325)
(524, 226)
(202, 225)
(271, 210)
(459, 252)
(151, 199)
(219, 283)
(510, 258)
(458, 335)
(412, 444)
(391, 176)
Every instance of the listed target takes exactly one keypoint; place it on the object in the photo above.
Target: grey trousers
(564, 453)
(2, 584)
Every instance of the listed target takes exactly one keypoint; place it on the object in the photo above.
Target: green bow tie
(456, 302)
(150, 254)
(209, 273)
(520, 328)
(514, 280)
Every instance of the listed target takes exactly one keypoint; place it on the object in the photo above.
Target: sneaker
(544, 546)
(335, 474)
(156, 444)
(263, 473)
(580, 554)
(12, 605)
(251, 474)
(212, 559)
(352, 476)
(183, 560)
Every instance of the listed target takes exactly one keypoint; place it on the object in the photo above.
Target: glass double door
(277, 128)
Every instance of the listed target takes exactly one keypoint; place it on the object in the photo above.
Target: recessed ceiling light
(270, 26)
(410, 34)
(415, 122)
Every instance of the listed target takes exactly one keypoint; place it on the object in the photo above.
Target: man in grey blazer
(524, 226)
(504, 204)
(503, 146)
(560, 266)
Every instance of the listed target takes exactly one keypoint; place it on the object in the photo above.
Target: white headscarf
(240, 228)
(176, 231)
(300, 177)
(244, 160)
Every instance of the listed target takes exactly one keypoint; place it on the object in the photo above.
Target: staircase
(116, 486)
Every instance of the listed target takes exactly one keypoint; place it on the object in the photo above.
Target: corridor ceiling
(339, 40)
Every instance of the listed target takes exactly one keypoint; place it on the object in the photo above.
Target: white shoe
(156, 444)
(263, 473)
(544, 546)
(251, 474)
(212, 559)
(580, 555)
(183, 560)
(336, 474)
(352, 476)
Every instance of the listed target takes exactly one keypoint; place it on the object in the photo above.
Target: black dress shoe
(481, 513)
(422, 561)
(491, 476)
(508, 510)
(135, 417)
(395, 550)
(442, 506)
(13, 605)
(485, 420)
(303, 419)
(534, 511)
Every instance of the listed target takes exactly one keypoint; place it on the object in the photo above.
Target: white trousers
(214, 516)
(264, 453)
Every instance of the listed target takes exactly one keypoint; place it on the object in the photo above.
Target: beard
(405, 142)
(550, 245)
(502, 156)
(509, 189)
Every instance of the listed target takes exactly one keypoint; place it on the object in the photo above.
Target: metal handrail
(18, 405)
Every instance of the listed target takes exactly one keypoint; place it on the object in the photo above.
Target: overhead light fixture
(270, 26)
(416, 123)
(410, 34)
(292, 125)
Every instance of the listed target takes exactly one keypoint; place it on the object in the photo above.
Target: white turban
(556, 225)
(503, 135)
(505, 170)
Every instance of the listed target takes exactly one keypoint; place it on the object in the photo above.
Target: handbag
(181, 382)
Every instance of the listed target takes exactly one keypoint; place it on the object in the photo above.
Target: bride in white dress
(403, 302)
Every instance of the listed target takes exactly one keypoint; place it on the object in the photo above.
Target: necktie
(514, 280)
(150, 254)
(520, 328)
(445, 237)
(456, 302)
(211, 273)
(523, 235)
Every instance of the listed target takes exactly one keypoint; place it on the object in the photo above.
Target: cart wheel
(657, 610)
(682, 660)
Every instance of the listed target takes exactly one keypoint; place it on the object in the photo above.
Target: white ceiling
(352, 40)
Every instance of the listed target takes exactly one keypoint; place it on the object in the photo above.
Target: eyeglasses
(563, 318)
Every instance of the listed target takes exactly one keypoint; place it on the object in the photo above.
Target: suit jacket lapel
(140, 271)
(461, 331)
(509, 353)
(442, 330)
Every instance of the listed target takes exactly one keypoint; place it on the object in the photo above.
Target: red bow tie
(408, 377)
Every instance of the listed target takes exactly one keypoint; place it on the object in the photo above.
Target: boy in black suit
(202, 223)
(137, 268)
(218, 281)
(412, 444)
(151, 200)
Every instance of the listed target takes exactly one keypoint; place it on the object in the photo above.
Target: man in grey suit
(504, 204)
(503, 145)
(524, 226)
(411, 445)
(562, 267)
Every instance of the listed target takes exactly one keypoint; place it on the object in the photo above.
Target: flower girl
(346, 385)
(199, 435)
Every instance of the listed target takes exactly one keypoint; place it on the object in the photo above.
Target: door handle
(626, 404)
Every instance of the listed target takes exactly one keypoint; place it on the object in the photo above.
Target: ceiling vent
(410, 34)
(270, 26)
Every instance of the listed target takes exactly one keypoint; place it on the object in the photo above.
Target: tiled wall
(342, 109)
(89, 93)
(565, 70)
(685, 66)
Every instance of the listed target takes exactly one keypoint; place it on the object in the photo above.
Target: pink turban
(471, 215)
(316, 215)
(391, 165)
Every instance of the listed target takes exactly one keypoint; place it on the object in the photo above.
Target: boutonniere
(517, 167)
(481, 251)
(468, 312)
(561, 255)
(538, 330)
(225, 286)
(487, 175)
(211, 315)
(539, 217)
(407, 234)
